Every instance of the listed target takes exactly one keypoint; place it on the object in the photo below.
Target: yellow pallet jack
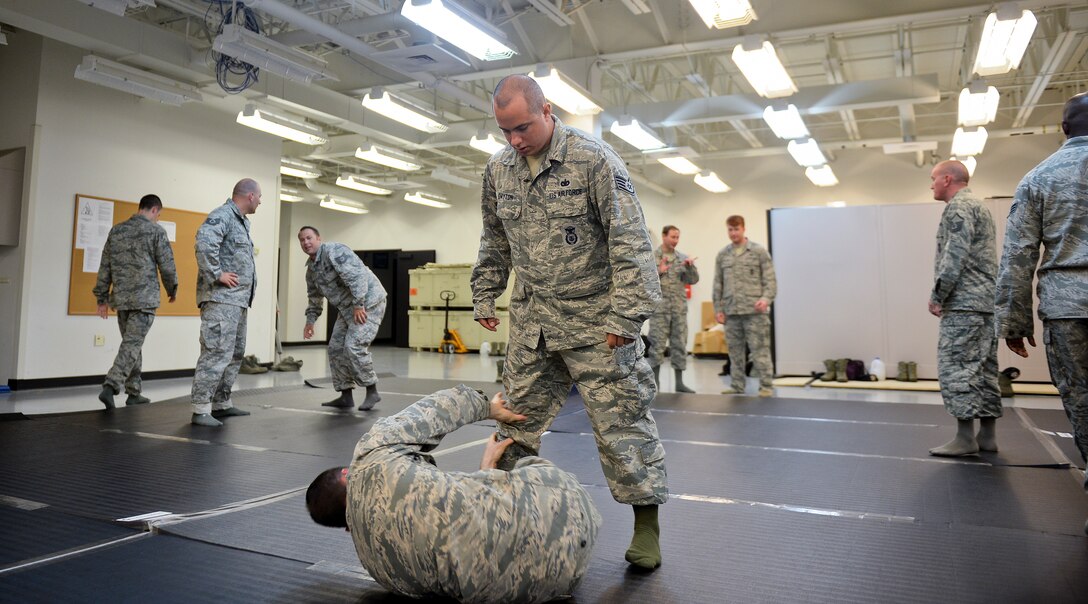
(451, 340)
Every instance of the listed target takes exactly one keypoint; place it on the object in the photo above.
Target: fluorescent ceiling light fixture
(117, 7)
(359, 183)
(785, 121)
(394, 108)
(633, 132)
(552, 12)
(836, 204)
(758, 61)
(290, 194)
(710, 181)
(1005, 37)
(387, 157)
(298, 169)
(562, 91)
(968, 162)
(978, 104)
(453, 177)
(459, 27)
(821, 176)
(638, 7)
(722, 14)
(485, 141)
(342, 205)
(281, 126)
(806, 152)
(679, 164)
(427, 199)
(141, 83)
(264, 53)
(969, 141)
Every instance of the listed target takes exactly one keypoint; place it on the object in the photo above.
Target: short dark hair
(314, 229)
(150, 202)
(327, 499)
(735, 220)
(513, 86)
(669, 227)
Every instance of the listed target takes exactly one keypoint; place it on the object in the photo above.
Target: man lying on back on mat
(489, 536)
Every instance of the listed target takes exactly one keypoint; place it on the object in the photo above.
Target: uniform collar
(963, 194)
(1076, 141)
(141, 217)
(317, 256)
(237, 211)
(746, 245)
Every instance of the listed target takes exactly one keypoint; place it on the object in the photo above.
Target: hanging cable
(227, 68)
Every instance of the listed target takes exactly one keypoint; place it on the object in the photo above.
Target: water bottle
(876, 369)
(485, 349)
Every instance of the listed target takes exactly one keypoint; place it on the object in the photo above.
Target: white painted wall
(19, 62)
(97, 141)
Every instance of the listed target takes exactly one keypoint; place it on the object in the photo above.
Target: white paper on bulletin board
(95, 219)
(171, 230)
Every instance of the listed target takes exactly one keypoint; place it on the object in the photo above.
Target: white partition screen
(854, 282)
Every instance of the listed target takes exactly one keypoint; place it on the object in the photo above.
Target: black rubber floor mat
(29, 534)
(282, 529)
(110, 475)
(931, 491)
(170, 569)
(1018, 445)
(734, 553)
(1057, 428)
(819, 408)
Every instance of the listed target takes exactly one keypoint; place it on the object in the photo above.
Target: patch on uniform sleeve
(624, 184)
(956, 226)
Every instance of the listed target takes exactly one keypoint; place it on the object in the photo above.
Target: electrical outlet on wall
(99, 340)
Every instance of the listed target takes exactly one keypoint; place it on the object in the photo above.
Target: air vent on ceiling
(422, 57)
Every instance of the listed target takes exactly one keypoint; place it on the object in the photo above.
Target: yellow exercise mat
(919, 386)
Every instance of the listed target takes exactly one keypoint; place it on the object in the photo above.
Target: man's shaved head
(1075, 116)
(519, 86)
(245, 186)
(955, 169)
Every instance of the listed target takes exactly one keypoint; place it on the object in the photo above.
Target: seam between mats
(54, 557)
(1055, 451)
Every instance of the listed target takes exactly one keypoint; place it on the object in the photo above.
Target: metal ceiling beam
(872, 94)
(1055, 58)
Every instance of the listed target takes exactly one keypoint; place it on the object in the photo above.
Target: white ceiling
(868, 72)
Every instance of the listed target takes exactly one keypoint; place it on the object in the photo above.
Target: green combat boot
(287, 364)
(829, 374)
(901, 373)
(250, 364)
(840, 370)
(912, 371)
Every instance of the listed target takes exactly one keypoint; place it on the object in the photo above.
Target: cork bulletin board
(94, 216)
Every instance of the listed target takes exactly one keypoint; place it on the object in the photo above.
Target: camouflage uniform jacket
(965, 265)
(576, 237)
(223, 246)
(420, 531)
(673, 295)
(137, 252)
(337, 273)
(1049, 208)
(742, 280)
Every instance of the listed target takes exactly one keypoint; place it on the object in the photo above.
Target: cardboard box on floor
(710, 341)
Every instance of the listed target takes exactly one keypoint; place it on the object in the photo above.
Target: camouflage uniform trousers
(349, 349)
(744, 333)
(967, 364)
(134, 325)
(222, 346)
(618, 389)
(669, 326)
(1066, 342)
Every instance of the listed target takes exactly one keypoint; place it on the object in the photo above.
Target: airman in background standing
(136, 255)
(225, 284)
(669, 325)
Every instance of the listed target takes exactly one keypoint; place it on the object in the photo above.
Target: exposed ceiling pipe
(357, 46)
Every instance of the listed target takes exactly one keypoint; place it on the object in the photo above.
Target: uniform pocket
(566, 207)
(508, 209)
